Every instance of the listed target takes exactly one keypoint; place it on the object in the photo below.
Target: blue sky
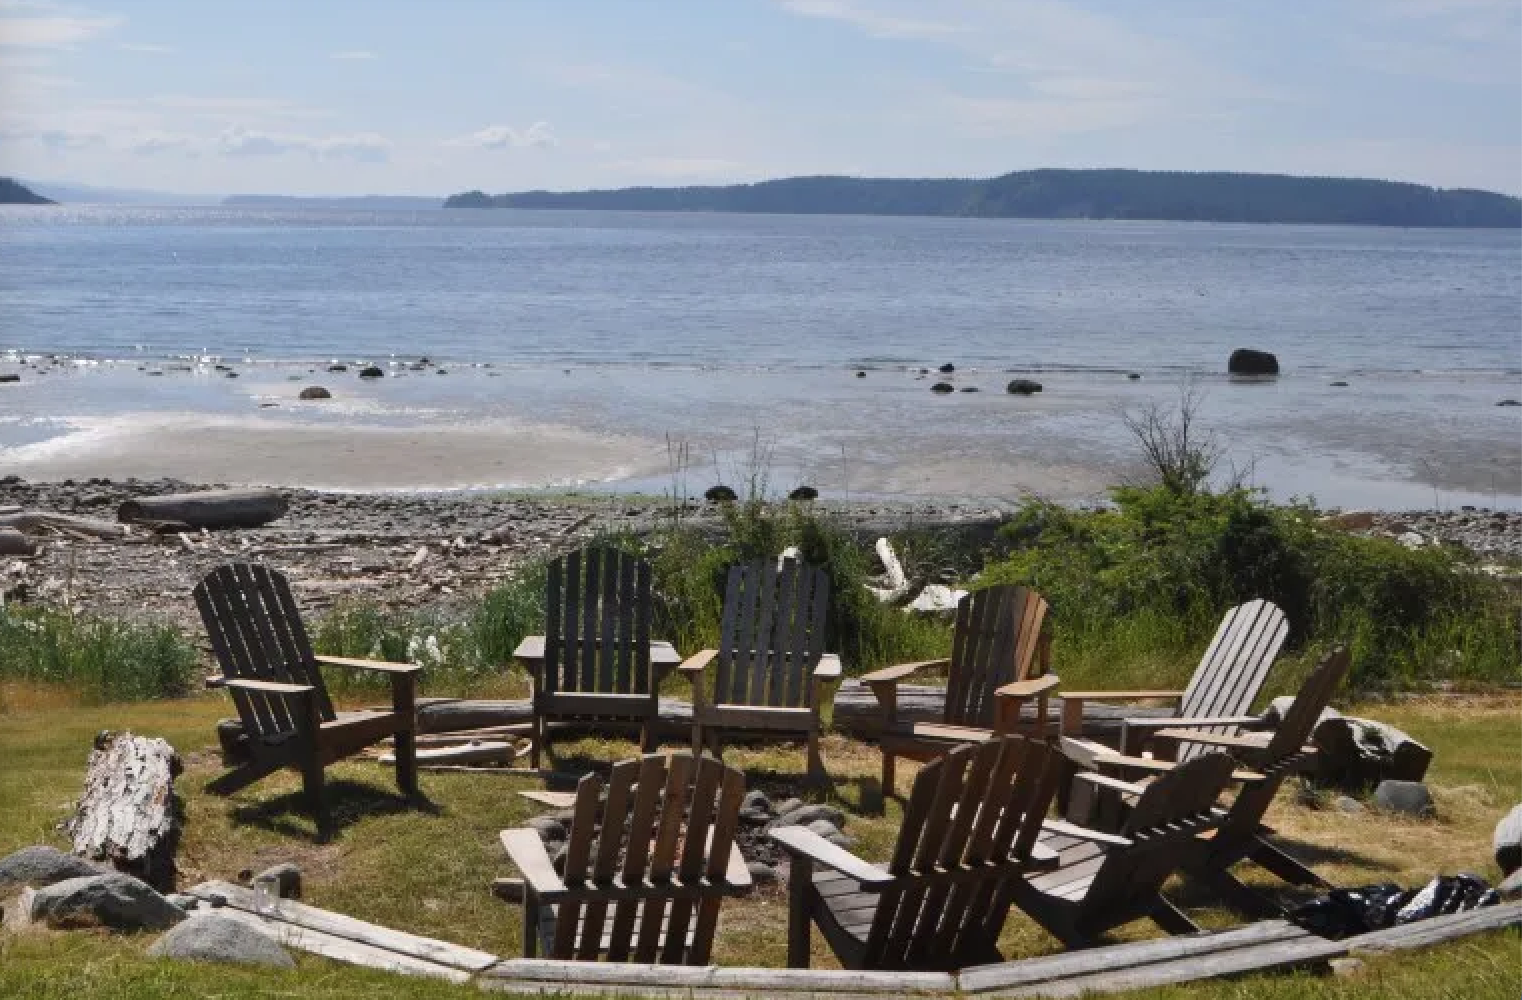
(349, 97)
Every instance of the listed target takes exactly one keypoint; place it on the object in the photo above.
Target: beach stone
(756, 800)
(804, 493)
(1348, 804)
(1504, 402)
(14, 543)
(287, 879)
(720, 494)
(184, 901)
(338, 368)
(1022, 387)
(1508, 841)
(787, 805)
(42, 865)
(315, 392)
(548, 828)
(943, 387)
(761, 873)
(861, 374)
(113, 900)
(1355, 754)
(970, 388)
(1409, 798)
(1133, 376)
(213, 937)
(806, 814)
(1279, 708)
(1339, 384)
(10, 377)
(371, 371)
(1246, 361)
(822, 827)
(947, 368)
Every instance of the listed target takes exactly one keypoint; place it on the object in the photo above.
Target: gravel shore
(406, 550)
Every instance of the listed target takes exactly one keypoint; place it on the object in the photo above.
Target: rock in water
(1022, 387)
(10, 377)
(720, 494)
(1246, 361)
(371, 371)
(947, 368)
(40, 866)
(1508, 841)
(315, 392)
(1410, 798)
(943, 387)
(115, 900)
(213, 937)
(804, 493)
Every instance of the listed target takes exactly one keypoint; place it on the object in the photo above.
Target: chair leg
(888, 774)
(312, 790)
(1284, 866)
(697, 740)
(530, 923)
(800, 880)
(240, 778)
(1238, 895)
(818, 776)
(536, 747)
(647, 736)
(406, 762)
(1171, 919)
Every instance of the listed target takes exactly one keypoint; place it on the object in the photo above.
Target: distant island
(1062, 194)
(14, 193)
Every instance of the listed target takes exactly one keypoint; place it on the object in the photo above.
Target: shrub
(110, 659)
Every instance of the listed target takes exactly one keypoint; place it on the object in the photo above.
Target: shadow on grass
(347, 801)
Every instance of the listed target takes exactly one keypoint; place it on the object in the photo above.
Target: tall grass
(108, 659)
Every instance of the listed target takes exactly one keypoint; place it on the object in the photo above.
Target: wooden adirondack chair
(596, 659)
(970, 829)
(1228, 678)
(771, 667)
(272, 674)
(999, 660)
(659, 848)
(1104, 880)
(1270, 758)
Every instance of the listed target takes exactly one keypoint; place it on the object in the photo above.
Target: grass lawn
(428, 872)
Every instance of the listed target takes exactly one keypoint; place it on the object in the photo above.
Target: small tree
(1180, 454)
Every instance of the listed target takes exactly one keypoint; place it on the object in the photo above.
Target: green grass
(109, 659)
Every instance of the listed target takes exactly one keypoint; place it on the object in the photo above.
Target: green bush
(110, 659)
(1159, 568)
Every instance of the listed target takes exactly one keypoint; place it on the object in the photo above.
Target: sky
(337, 97)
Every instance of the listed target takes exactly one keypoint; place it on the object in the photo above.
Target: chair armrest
(530, 651)
(801, 840)
(380, 666)
(1114, 784)
(1028, 689)
(526, 850)
(1260, 742)
(736, 872)
(1066, 829)
(695, 663)
(1202, 721)
(214, 681)
(1122, 695)
(902, 670)
(1152, 766)
(268, 687)
(828, 667)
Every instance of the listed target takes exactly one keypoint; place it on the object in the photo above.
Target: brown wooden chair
(1104, 880)
(656, 843)
(596, 660)
(1269, 757)
(1222, 690)
(770, 668)
(999, 659)
(270, 670)
(970, 830)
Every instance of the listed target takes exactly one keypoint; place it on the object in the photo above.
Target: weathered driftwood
(41, 522)
(211, 509)
(14, 543)
(127, 815)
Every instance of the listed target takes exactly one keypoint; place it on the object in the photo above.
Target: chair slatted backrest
(256, 633)
(772, 633)
(995, 640)
(1295, 729)
(979, 808)
(664, 829)
(1232, 671)
(1162, 825)
(597, 624)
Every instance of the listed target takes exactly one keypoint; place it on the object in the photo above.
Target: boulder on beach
(214, 937)
(315, 392)
(42, 865)
(720, 494)
(1246, 361)
(943, 387)
(112, 900)
(1022, 387)
(947, 368)
(804, 493)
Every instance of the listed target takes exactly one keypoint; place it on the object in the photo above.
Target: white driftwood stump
(127, 814)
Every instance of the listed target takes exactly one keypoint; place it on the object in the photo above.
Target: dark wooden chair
(970, 830)
(770, 668)
(656, 844)
(999, 660)
(1224, 685)
(270, 670)
(596, 660)
(1269, 758)
(1105, 880)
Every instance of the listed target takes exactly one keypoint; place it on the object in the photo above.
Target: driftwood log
(128, 814)
(14, 543)
(41, 522)
(211, 509)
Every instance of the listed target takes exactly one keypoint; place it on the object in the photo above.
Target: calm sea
(774, 291)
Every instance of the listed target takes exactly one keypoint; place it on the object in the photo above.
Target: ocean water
(729, 329)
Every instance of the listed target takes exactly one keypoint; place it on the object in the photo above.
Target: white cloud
(874, 22)
(145, 48)
(365, 147)
(537, 135)
(354, 55)
(153, 142)
(54, 32)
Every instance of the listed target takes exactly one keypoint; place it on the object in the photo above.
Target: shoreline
(403, 551)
